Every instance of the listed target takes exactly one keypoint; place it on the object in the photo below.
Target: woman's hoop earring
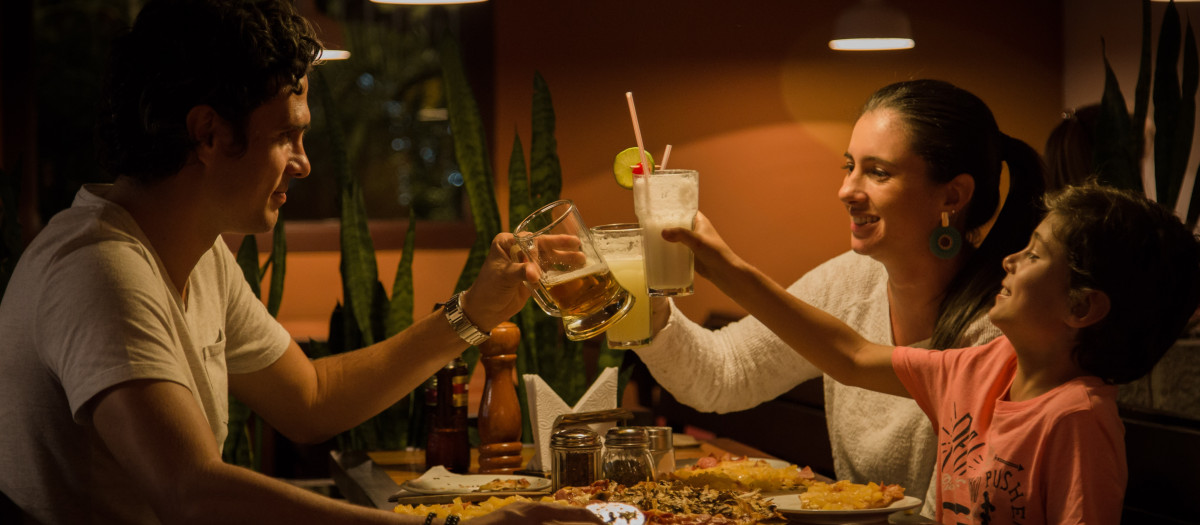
(945, 241)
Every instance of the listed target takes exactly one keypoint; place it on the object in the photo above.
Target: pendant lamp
(871, 26)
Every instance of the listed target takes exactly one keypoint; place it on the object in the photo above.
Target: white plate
(773, 463)
(450, 483)
(789, 505)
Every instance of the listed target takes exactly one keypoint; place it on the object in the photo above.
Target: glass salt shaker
(575, 457)
(627, 458)
(661, 450)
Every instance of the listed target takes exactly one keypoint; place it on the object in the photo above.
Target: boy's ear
(959, 191)
(1090, 307)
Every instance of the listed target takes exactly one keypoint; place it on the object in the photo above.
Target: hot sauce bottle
(448, 444)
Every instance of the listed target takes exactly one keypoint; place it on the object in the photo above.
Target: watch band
(461, 325)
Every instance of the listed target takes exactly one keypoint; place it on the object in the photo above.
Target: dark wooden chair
(1163, 453)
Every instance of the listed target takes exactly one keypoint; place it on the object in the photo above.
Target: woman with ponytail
(929, 228)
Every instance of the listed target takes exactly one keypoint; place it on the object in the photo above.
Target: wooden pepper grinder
(499, 410)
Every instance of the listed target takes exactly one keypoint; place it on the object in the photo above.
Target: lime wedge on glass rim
(623, 166)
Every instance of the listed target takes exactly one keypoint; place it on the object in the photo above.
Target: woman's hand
(526, 513)
(499, 292)
(714, 259)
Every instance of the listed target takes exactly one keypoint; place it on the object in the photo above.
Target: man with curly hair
(127, 322)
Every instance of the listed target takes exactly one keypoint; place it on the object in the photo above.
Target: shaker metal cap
(660, 438)
(626, 437)
(575, 438)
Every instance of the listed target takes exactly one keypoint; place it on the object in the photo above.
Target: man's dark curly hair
(1146, 261)
(232, 55)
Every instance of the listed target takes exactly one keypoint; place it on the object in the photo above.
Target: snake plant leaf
(336, 343)
(239, 441)
(237, 449)
(520, 202)
(471, 153)
(247, 259)
(1114, 157)
(400, 307)
(278, 262)
(1141, 93)
(1191, 82)
(470, 145)
(1166, 110)
(520, 205)
(545, 170)
(360, 274)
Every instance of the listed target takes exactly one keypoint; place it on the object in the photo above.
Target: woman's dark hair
(955, 133)
(1147, 262)
(233, 55)
(1070, 150)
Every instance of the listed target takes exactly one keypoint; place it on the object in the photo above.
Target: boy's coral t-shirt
(1054, 459)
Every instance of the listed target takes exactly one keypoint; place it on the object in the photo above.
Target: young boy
(1028, 424)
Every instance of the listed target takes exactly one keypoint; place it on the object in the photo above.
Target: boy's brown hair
(1146, 261)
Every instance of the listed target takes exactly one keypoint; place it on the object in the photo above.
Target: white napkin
(545, 406)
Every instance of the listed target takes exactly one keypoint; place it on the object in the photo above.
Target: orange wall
(748, 93)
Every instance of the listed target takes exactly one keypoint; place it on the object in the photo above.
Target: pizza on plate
(464, 510)
(741, 473)
(844, 495)
(674, 503)
(504, 484)
(663, 503)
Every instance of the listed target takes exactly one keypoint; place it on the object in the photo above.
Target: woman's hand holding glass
(715, 260)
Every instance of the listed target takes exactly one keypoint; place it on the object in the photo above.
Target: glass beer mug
(574, 282)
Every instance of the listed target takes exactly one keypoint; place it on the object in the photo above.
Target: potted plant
(1169, 78)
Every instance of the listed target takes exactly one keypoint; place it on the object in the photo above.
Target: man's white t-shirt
(89, 307)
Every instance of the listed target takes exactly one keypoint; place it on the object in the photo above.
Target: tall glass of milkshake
(666, 199)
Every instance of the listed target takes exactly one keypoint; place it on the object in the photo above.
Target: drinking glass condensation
(666, 199)
(621, 247)
(574, 282)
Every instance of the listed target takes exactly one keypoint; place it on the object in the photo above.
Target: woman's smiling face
(893, 204)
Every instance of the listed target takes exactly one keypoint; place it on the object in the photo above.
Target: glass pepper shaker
(627, 458)
(662, 450)
(574, 457)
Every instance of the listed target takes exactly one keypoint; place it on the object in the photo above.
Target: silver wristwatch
(461, 325)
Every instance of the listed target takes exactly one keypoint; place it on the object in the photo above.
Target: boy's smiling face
(1035, 299)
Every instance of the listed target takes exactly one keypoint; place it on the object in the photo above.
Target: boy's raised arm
(821, 338)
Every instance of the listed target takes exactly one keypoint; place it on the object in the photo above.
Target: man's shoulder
(84, 232)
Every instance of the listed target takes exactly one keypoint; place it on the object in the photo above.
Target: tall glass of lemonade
(621, 247)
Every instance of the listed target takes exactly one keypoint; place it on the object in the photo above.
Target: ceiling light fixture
(427, 2)
(329, 32)
(872, 26)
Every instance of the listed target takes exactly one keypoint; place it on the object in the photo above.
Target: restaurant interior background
(747, 92)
